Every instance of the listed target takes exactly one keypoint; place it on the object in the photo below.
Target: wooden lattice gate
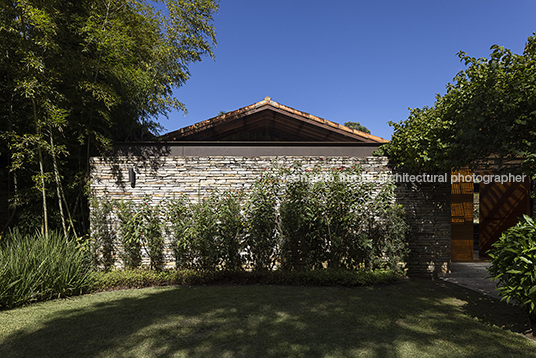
(501, 204)
(462, 190)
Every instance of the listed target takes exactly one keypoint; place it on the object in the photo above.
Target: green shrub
(39, 267)
(385, 230)
(151, 232)
(208, 235)
(389, 247)
(130, 222)
(513, 265)
(139, 278)
(326, 218)
(178, 229)
(340, 221)
(346, 204)
(103, 235)
(203, 238)
(301, 246)
(231, 229)
(262, 234)
(141, 227)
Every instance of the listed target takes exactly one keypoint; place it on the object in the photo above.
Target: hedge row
(139, 278)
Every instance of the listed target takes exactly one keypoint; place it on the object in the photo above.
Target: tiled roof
(268, 115)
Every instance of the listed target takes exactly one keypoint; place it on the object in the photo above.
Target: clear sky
(346, 60)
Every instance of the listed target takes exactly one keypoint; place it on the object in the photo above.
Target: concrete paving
(472, 275)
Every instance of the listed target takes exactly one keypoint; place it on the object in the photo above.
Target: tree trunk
(42, 173)
(58, 185)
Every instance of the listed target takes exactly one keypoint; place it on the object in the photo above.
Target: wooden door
(500, 207)
(461, 243)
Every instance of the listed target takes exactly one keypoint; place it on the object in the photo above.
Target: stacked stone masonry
(427, 206)
(428, 211)
(196, 176)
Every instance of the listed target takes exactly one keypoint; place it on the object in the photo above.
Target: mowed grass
(412, 318)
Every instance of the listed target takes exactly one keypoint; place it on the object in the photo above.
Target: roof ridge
(268, 101)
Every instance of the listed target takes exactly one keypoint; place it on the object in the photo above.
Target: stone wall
(428, 212)
(196, 176)
(427, 205)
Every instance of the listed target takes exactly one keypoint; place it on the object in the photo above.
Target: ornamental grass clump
(39, 267)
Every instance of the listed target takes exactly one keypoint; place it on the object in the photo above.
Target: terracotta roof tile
(266, 103)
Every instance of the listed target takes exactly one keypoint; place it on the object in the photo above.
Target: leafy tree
(358, 126)
(77, 76)
(486, 117)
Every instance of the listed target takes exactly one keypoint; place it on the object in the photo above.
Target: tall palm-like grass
(40, 267)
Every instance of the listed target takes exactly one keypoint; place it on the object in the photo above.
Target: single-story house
(229, 150)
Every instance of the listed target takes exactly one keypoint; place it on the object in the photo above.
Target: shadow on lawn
(490, 310)
(412, 318)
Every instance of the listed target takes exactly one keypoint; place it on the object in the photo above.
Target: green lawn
(414, 318)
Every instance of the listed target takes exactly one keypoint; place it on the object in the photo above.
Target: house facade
(230, 150)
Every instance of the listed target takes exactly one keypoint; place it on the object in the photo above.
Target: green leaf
(524, 259)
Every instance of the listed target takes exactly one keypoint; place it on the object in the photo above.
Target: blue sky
(344, 60)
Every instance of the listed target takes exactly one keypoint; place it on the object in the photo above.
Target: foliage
(130, 222)
(151, 232)
(262, 239)
(178, 229)
(77, 76)
(301, 247)
(141, 227)
(203, 240)
(39, 267)
(387, 248)
(231, 229)
(137, 278)
(358, 126)
(421, 143)
(345, 205)
(296, 219)
(487, 116)
(208, 234)
(101, 243)
(513, 265)
(340, 221)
